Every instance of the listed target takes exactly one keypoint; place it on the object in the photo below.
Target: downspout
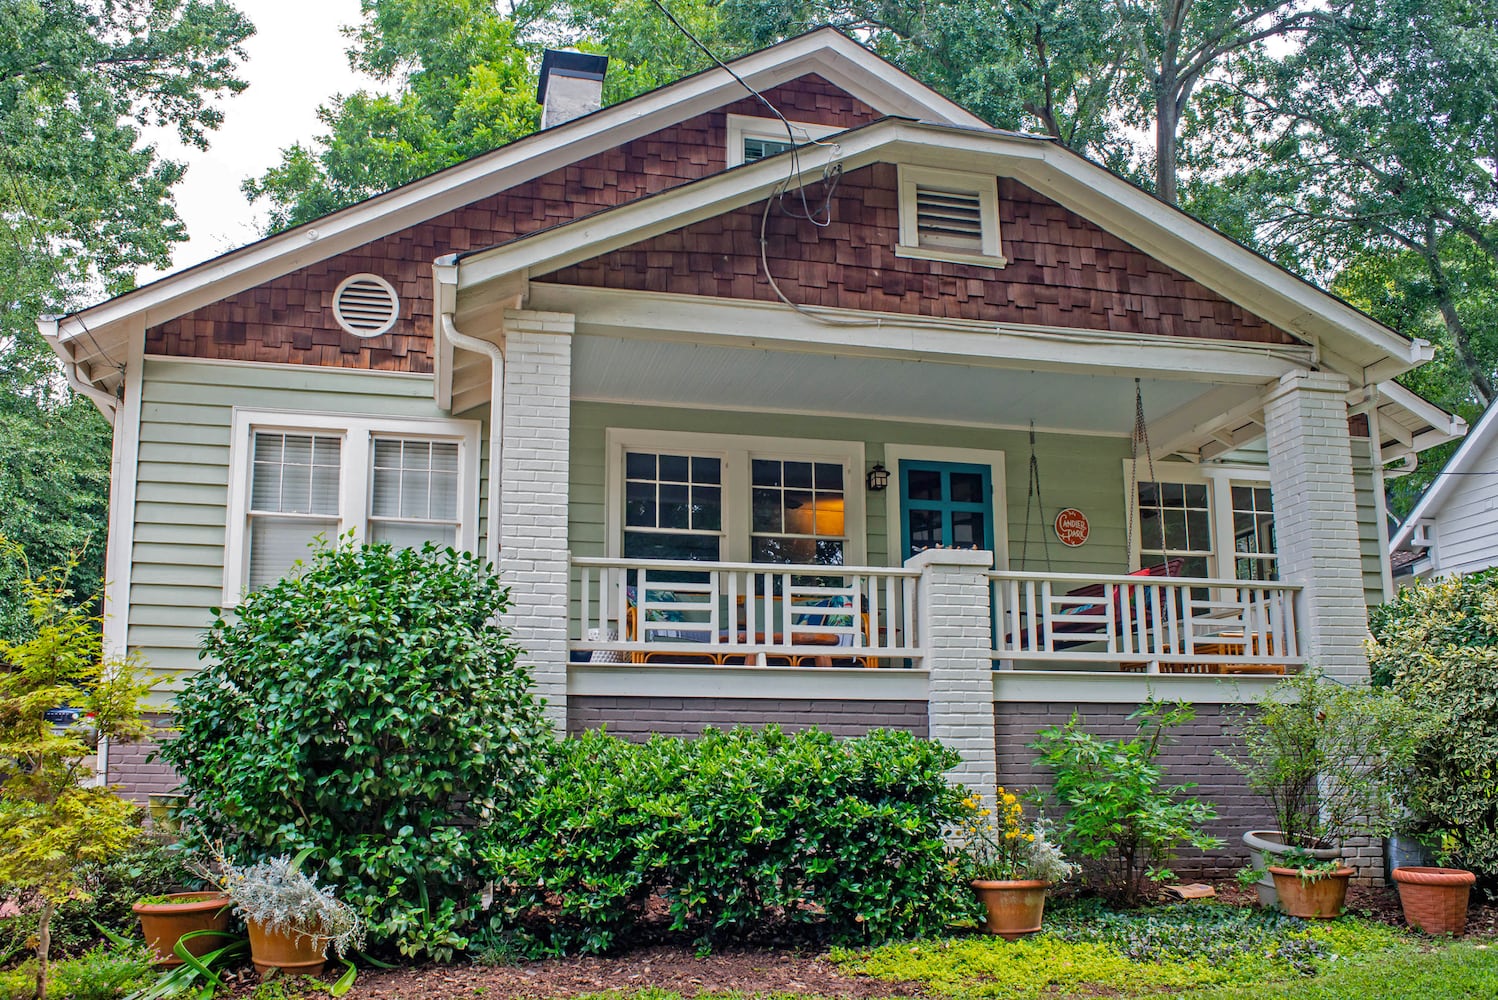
(445, 285)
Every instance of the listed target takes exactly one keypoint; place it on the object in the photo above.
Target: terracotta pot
(1265, 847)
(278, 948)
(1435, 899)
(1317, 899)
(1015, 908)
(184, 912)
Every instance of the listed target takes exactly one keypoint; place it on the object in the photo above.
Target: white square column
(533, 560)
(1315, 518)
(957, 633)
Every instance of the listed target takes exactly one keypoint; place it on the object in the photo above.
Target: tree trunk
(1461, 339)
(43, 947)
(1166, 122)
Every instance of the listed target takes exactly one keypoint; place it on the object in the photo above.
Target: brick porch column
(534, 477)
(1315, 518)
(1315, 521)
(957, 631)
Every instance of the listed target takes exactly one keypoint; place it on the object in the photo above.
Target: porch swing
(1084, 603)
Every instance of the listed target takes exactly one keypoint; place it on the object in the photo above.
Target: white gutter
(107, 404)
(445, 288)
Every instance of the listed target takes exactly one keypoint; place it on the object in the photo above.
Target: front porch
(664, 612)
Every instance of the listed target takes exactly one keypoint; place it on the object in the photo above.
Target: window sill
(950, 256)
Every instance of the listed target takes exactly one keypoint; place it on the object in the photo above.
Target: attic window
(751, 138)
(947, 215)
(365, 305)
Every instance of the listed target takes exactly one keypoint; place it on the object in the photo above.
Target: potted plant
(167, 919)
(1327, 755)
(291, 919)
(1009, 864)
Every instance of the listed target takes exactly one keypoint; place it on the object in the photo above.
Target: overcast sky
(296, 62)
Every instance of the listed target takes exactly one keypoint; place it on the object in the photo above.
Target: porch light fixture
(878, 478)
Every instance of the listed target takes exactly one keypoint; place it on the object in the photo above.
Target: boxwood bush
(369, 708)
(738, 834)
(1436, 644)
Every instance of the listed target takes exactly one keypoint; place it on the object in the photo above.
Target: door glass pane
(968, 529)
(923, 484)
(925, 529)
(967, 487)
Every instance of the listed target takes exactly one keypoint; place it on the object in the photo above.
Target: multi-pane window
(1175, 521)
(1254, 555)
(673, 506)
(798, 512)
(414, 498)
(294, 497)
(405, 482)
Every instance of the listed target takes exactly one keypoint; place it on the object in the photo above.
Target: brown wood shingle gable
(1063, 270)
(290, 318)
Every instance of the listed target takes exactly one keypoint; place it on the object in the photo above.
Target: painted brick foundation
(637, 718)
(136, 778)
(1191, 757)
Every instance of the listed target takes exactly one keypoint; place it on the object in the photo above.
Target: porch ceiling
(710, 376)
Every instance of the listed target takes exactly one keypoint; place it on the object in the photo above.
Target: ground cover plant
(369, 708)
(1087, 950)
(737, 834)
(1436, 646)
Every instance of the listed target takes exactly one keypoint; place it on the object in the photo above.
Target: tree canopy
(84, 202)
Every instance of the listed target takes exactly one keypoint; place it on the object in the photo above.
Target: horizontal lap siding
(1466, 528)
(177, 563)
(1078, 471)
(1368, 537)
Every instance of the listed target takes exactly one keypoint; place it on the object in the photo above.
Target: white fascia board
(826, 52)
(1430, 502)
(772, 326)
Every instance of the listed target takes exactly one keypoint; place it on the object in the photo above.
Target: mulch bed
(679, 969)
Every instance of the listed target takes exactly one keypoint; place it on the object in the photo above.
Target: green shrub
(1328, 757)
(1437, 645)
(1115, 809)
(739, 833)
(369, 708)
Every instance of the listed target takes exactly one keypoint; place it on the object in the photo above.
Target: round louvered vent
(365, 305)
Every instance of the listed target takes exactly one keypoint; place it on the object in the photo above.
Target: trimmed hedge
(738, 833)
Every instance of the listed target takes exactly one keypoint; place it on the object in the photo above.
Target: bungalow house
(823, 404)
(1454, 526)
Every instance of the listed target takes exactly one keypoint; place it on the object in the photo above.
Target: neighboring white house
(743, 407)
(1454, 526)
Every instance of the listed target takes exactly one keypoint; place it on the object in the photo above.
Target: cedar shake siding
(1063, 271)
(290, 319)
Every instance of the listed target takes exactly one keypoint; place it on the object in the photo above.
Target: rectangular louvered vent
(948, 219)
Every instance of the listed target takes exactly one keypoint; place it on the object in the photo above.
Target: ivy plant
(369, 707)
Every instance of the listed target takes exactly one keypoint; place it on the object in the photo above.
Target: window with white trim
(705, 497)
(1218, 520)
(1175, 522)
(298, 477)
(949, 215)
(751, 138)
(1254, 553)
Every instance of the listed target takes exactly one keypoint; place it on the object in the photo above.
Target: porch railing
(1151, 624)
(654, 611)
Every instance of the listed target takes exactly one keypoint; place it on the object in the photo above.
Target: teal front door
(945, 504)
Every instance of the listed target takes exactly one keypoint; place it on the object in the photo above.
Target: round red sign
(1072, 527)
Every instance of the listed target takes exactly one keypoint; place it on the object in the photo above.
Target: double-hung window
(297, 477)
(1218, 521)
(706, 497)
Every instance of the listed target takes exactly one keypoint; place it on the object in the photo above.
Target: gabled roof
(1346, 340)
(103, 330)
(1471, 449)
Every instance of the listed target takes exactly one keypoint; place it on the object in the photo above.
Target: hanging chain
(1034, 494)
(1141, 436)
